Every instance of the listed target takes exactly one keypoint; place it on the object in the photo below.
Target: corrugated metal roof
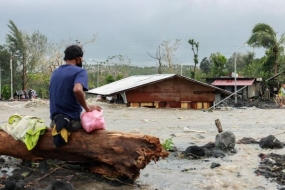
(128, 83)
(232, 82)
(140, 80)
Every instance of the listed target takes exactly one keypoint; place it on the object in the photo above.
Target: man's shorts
(75, 124)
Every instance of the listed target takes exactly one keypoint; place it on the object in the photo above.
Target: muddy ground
(254, 119)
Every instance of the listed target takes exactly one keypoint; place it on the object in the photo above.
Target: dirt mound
(36, 103)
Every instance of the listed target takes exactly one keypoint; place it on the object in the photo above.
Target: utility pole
(235, 62)
(11, 68)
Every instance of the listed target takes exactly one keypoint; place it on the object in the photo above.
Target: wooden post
(219, 125)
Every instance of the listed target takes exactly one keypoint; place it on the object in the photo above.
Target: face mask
(80, 63)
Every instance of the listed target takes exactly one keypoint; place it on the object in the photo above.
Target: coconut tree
(264, 36)
(31, 50)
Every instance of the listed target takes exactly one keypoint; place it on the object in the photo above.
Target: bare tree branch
(158, 57)
(90, 41)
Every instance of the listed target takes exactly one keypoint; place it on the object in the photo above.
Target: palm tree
(16, 42)
(263, 35)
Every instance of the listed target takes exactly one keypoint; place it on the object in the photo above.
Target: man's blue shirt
(62, 97)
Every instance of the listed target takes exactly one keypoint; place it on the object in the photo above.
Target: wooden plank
(134, 104)
(219, 125)
(185, 104)
(206, 105)
(199, 105)
(145, 104)
(157, 104)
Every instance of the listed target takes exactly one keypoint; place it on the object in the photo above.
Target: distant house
(162, 90)
(246, 87)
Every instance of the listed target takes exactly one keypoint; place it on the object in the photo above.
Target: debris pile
(54, 175)
(272, 166)
(258, 103)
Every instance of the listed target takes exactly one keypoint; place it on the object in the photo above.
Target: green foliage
(15, 38)
(200, 75)
(119, 77)
(192, 74)
(4, 65)
(254, 69)
(242, 60)
(38, 78)
(218, 64)
(205, 65)
(31, 50)
(195, 48)
(168, 144)
(36, 49)
(40, 83)
(6, 92)
(264, 36)
(109, 79)
(43, 93)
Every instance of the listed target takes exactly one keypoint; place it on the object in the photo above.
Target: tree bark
(113, 154)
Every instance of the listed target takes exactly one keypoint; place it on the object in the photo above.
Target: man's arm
(80, 96)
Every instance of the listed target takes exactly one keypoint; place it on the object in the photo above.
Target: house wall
(174, 92)
(253, 90)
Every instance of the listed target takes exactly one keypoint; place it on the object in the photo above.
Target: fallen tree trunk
(113, 154)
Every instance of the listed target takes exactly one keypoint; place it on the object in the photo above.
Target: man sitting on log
(67, 86)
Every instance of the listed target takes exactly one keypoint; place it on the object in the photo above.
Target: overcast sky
(134, 27)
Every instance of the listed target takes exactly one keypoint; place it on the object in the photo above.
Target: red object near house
(232, 82)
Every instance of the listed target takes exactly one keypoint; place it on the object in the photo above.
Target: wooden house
(162, 91)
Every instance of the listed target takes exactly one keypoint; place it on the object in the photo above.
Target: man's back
(62, 97)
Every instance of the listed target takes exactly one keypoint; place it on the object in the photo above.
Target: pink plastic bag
(92, 121)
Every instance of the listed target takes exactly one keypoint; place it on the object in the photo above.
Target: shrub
(167, 144)
(42, 93)
(6, 92)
